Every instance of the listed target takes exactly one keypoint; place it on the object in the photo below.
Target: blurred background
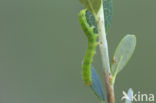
(42, 47)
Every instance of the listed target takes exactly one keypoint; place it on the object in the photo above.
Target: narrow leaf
(91, 20)
(108, 12)
(92, 5)
(96, 85)
(130, 95)
(123, 53)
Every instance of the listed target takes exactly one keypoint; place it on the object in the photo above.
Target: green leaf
(92, 5)
(96, 85)
(108, 12)
(130, 95)
(123, 53)
(91, 20)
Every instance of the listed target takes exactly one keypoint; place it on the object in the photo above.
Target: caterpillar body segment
(91, 50)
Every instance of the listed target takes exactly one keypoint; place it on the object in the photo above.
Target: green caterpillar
(91, 50)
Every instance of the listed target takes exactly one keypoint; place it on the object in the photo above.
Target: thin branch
(105, 55)
(109, 88)
(103, 40)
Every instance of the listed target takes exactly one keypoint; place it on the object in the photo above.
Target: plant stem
(103, 40)
(103, 46)
(109, 88)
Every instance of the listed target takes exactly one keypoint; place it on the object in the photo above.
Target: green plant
(95, 21)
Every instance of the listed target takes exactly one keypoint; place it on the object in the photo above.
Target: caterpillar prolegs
(91, 50)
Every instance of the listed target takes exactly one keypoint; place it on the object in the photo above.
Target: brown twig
(109, 88)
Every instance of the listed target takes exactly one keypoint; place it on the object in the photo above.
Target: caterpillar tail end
(87, 79)
(88, 83)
